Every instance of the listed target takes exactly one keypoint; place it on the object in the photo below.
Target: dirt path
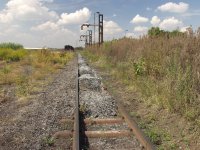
(30, 126)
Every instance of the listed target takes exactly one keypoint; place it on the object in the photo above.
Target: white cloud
(140, 29)
(184, 29)
(48, 1)
(5, 17)
(56, 28)
(170, 24)
(130, 35)
(80, 16)
(173, 7)
(33, 24)
(191, 14)
(155, 20)
(17, 10)
(111, 27)
(46, 26)
(139, 19)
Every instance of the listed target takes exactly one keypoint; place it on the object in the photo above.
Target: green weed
(49, 141)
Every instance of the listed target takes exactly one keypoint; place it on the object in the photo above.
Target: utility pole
(100, 26)
(100, 29)
(90, 37)
(94, 24)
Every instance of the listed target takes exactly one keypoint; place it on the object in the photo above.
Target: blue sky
(54, 23)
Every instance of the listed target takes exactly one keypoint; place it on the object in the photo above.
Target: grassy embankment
(165, 70)
(22, 72)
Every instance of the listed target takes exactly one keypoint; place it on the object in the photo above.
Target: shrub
(13, 46)
(12, 55)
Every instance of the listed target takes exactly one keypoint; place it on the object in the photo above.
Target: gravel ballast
(31, 126)
(95, 101)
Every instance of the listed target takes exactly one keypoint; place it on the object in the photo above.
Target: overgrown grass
(165, 70)
(26, 70)
(12, 55)
(13, 46)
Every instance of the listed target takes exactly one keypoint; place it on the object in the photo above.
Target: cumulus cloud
(45, 26)
(155, 21)
(130, 35)
(80, 16)
(62, 25)
(26, 10)
(174, 7)
(32, 23)
(184, 29)
(48, 1)
(170, 24)
(111, 27)
(139, 19)
(140, 29)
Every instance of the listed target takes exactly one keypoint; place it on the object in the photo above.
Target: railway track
(87, 128)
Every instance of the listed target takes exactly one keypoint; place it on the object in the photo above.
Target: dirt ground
(30, 124)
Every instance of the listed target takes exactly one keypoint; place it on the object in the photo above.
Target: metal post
(86, 41)
(90, 37)
(100, 29)
(94, 28)
(100, 26)
(95, 24)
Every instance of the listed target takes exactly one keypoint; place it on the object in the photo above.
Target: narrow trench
(84, 143)
(83, 139)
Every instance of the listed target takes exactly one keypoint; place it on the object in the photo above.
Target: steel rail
(134, 127)
(108, 134)
(103, 121)
(76, 117)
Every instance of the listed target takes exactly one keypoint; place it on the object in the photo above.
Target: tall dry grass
(166, 70)
(25, 70)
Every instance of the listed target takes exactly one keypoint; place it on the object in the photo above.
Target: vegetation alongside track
(25, 69)
(164, 69)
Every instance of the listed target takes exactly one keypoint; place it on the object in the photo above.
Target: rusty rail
(135, 129)
(103, 121)
(107, 134)
(76, 116)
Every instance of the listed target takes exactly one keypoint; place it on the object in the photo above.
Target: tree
(154, 31)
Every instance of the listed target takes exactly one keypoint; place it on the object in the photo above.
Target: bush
(12, 55)
(13, 46)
